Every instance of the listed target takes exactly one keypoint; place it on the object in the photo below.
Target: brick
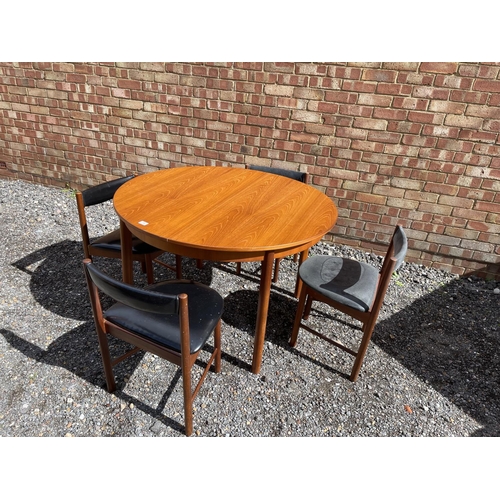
(475, 135)
(487, 85)
(461, 233)
(436, 67)
(368, 123)
(379, 75)
(279, 90)
(463, 121)
(393, 89)
(441, 188)
(384, 137)
(390, 114)
(488, 173)
(439, 209)
(306, 116)
(421, 141)
(355, 110)
(356, 86)
(341, 96)
(308, 93)
(388, 191)
(447, 107)
(483, 111)
(374, 100)
(371, 198)
(407, 184)
(367, 146)
(456, 82)
(488, 207)
(420, 117)
(456, 201)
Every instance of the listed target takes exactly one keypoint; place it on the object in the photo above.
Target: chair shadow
(58, 284)
(453, 356)
(453, 360)
(240, 311)
(77, 351)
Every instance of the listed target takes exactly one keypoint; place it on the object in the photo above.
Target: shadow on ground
(58, 285)
(449, 338)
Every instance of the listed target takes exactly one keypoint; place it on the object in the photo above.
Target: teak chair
(109, 245)
(292, 174)
(158, 320)
(354, 288)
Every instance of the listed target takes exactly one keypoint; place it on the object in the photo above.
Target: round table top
(223, 209)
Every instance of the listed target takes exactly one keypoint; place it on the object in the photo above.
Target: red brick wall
(409, 143)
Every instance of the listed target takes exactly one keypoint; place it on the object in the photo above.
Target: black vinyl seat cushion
(112, 241)
(346, 281)
(205, 309)
(291, 174)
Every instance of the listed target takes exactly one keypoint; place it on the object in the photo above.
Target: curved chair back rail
(292, 174)
(136, 298)
(103, 192)
(172, 319)
(354, 288)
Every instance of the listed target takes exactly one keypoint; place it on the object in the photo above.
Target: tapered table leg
(126, 244)
(262, 310)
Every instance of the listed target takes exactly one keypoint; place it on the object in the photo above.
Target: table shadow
(445, 338)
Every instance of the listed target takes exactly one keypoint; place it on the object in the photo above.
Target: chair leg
(365, 341)
(308, 307)
(106, 361)
(298, 284)
(298, 317)
(148, 262)
(178, 267)
(217, 345)
(276, 270)
(238, 267)
(188, 399)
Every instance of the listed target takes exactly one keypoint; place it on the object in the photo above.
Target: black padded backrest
(103, 192)
(144, 300)
(292, 174)
(400, 243)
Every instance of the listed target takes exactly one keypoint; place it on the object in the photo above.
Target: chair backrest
(292, 174)
(136, 298)
(103, 192)
(93, 196)
(393, 259)
(399, 246)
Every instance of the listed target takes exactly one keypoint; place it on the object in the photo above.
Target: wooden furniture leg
(262, 310)
(126, 244)
(298, 284)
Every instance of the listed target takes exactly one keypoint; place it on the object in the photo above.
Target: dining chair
(109, 245)
(355, 288)
(171, 319)
(291, 174)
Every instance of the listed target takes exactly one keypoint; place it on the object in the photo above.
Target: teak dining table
(224, 214)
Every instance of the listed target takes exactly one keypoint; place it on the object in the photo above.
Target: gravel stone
(432, 369)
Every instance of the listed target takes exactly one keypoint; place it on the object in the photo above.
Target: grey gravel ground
(433, 368)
